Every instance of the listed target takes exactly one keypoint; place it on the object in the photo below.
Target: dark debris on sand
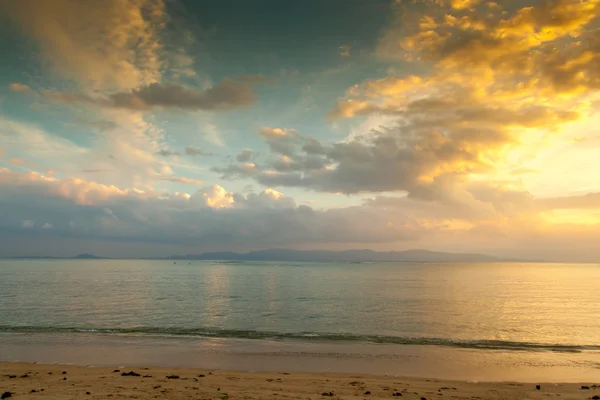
(173, 377)
(330, 394)
(6, 395)
(130, 373)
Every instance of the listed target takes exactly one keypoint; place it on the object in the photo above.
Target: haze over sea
(493, 321)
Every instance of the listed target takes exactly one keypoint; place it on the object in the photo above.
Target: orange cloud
(463, 4)
(18, 87)
(499, 86)
(109, 44)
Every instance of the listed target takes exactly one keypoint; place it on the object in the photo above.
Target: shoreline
(426, 362)
(33, 380)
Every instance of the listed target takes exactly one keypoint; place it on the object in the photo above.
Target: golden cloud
(99, 44)
(18, 87)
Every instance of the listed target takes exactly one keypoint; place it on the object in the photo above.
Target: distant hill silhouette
(311, 255)
(345, 255)
(83, 256)
(86, 256)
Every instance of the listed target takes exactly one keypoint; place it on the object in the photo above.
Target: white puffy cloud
(475, 218)
(210, 215)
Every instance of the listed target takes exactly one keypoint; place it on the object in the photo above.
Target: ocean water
(397, 317)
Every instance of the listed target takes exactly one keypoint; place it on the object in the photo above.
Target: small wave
(308, 336)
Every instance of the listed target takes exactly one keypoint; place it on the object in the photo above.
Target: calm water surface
(550, 308)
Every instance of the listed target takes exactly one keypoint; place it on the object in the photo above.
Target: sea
(462, 321)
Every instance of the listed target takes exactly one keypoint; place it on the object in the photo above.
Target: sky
(146, 128)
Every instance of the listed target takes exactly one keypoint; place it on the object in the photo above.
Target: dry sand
(33, 381)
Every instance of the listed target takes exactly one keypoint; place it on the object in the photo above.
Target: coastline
(299, 357)
(55, 381)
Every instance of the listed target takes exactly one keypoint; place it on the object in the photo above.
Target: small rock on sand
(6, 395)
(130, 373)
(538, 387)
(173, 377)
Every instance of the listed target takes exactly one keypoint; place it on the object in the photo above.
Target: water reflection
(542, 303)
(215, 285)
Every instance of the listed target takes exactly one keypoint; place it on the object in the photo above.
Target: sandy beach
(31, 381)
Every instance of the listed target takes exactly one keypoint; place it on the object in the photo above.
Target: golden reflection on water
(215, 285)
(545, 303)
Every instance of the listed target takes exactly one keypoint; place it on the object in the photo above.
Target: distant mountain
(346, 255)
(86, 256)
(83, 256)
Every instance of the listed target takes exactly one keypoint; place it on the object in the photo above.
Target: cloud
(196, 151)
(211, 215)
(345, 50)
(494, 88)
(179, 179)
(188, 151)
(545, 46)
(100, 125)
(18, 87)
(167, 153)
(283, 141)
(111, 44)
(581, 202)
(401, 158)
(127, 153)
(245, 156)
(463, 4)
(228, 94)
(469, 218)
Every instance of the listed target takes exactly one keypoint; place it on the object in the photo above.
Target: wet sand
(52, 381)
